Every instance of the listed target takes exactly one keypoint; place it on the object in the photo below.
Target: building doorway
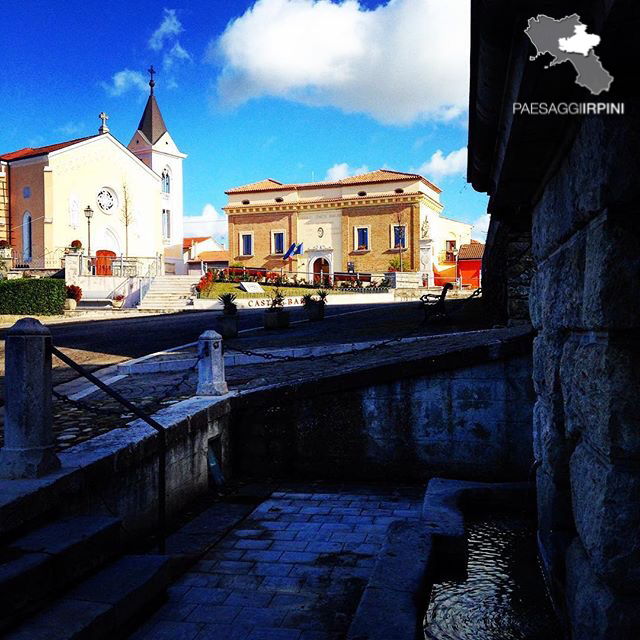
(104, 262)
(321, 271)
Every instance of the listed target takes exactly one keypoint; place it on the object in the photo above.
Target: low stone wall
(467, 415)
(416, 553)
(404, 279)
(117, 473)
(203, 304)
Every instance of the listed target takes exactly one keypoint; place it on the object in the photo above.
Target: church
(113, 201)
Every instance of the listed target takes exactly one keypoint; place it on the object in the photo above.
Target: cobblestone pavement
(294, 569)
(98, 413)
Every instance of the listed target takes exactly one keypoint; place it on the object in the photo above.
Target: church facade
(134, 194)
(365, 223)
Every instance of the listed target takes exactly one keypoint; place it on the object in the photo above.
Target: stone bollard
(211, 380)
(28, 437)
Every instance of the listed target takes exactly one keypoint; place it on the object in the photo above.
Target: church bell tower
(153, 144)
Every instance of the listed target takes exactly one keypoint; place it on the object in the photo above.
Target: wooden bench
(433, 304)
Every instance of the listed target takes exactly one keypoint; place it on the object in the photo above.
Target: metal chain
(385, 343)
(276, 358)
(169, 393)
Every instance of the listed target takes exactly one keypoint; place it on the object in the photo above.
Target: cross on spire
(152, 83)
(103, 127)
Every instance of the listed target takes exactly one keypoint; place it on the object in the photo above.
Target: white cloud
(169, 28)
(343, 170)
(480, 227)
(440, 166)
(175, 54)
(210, 222)
(402, 62)
(124, 80)
(71, 128)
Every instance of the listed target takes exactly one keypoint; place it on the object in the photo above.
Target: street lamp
(88, 212)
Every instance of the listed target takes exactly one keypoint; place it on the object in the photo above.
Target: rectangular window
(166, 224)
(362, 237)
(278, 242)
(399, 236)
(450, 255)
(26, 192)
(247, 244)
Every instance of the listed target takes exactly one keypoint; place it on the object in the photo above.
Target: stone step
(398, 584)
(47, 560)
(104, 605)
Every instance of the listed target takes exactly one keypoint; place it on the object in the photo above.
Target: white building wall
(79, 173)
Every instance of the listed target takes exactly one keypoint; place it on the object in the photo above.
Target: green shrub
(43, 296)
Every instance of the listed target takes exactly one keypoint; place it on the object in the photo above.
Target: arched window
(27, 246)
(166, 181)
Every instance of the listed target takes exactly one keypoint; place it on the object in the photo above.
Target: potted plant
(117, 302)
(315, 307)
(228, 322)
(75, 246)
(275, 317)
(5, 249)
(74, 294)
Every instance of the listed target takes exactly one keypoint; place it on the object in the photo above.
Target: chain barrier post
(211, 380)
(28, 450)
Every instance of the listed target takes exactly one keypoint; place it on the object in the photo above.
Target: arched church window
(166, 182)
(27, 246)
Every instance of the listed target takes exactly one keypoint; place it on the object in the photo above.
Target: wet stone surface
(294, 569)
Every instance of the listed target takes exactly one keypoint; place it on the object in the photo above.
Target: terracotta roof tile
(473, 251)
(212, 256)
(261, 185)
(30, 152)
(188, 242)
(379, 175)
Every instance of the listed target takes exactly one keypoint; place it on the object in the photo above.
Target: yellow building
(135, 195)
(364, 223)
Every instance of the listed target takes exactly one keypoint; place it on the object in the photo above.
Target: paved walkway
(295, 569)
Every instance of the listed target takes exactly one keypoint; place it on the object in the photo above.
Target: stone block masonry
(473, 422)
(585, 302)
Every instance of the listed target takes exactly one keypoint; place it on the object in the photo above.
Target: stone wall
(507, 270)
(470, 422)
(585, 303)
(117, 473)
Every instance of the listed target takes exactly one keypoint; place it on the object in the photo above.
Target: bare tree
(126, 214)
(399, 218)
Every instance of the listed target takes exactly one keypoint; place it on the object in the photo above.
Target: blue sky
(295, 90)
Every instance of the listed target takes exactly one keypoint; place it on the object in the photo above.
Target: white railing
(53, 259)
(154, 269)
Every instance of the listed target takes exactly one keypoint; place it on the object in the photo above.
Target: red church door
(320, 271)
(104, 260)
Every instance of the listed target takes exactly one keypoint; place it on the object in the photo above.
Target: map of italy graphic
(567, 40)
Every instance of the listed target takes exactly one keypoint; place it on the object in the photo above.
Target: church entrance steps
(168, 292)
(104, 605)
(38, 565)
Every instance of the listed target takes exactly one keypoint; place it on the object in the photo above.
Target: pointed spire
(151, 124)
(152, 83)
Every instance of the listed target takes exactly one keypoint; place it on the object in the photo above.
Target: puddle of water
(504, 596)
